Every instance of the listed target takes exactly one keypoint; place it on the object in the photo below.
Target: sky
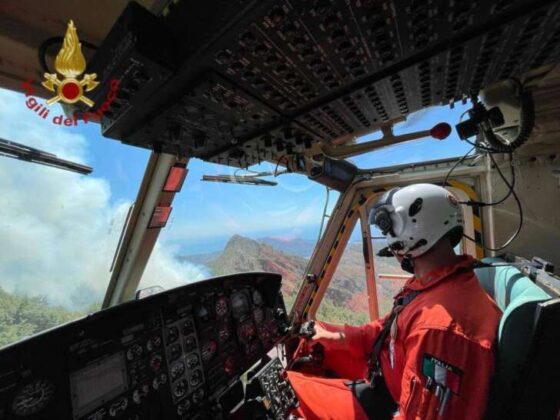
(62, 228)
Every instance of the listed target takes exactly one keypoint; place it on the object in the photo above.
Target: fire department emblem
(70, 63)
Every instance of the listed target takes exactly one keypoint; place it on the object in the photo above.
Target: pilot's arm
(354, 339)
(347, 347)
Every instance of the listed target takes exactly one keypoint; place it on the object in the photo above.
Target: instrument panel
(168, 356)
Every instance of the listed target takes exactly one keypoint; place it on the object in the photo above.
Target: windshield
(224, 228)
(59, 229)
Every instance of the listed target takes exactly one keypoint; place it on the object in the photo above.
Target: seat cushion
(511, 290)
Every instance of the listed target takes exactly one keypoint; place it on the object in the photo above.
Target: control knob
(190, 342)
(159, 380)
(177, 370)
(184, 407)
(198, 396)
(187, 327)
(153, 343)
(137, 396)
(155, 362)
(134, 352)
(118, 406)
(196, 378)
(192, 360)
(172, 334)
(180, 388)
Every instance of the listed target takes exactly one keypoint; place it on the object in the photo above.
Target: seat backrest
(518, 298)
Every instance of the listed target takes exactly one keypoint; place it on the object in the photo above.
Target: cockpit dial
(208, 350)
(265, 333)
(258, 315)
(246, 330)
(239, 304)
(175, 351)
(153, 343)
(187, 327)
(177, 369)
(172, 334)
(258, 298)
(180, 388)
(222, 307)
(224, 333)
(33, 397)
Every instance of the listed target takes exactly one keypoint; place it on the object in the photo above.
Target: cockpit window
(346, 298)
(225, 228)
(61, 229)
(58, 229)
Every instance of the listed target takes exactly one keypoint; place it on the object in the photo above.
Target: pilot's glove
(324, 336)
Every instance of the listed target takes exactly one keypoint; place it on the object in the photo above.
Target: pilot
(432, 356)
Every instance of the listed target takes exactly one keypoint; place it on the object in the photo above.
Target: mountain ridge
(347, 290)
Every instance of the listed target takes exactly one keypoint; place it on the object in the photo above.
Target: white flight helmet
(415, 217)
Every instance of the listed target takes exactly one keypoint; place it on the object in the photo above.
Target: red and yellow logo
(70, 63)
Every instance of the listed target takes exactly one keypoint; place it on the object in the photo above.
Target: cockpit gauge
(258, 315)
(175, 351)
(190, 342)
(33, 397)
(246, 330)
(208, 350)
(239, 304)
(155, 362)
(230, 365)
(180, 388)
(224, 333)
(177, 369)
(198, 395)
(222, 307)
(192, 360)
(258, 298)
(187, 327)
(153, 343)
(196, 378)
(135, 351)
(172, 334)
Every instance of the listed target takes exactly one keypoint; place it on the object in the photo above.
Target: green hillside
(22, 316)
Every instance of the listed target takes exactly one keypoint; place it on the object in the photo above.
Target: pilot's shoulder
(472, 315)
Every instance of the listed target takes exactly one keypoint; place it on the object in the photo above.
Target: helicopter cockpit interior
(296, 84)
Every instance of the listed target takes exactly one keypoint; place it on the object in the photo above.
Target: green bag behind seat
(518, 297)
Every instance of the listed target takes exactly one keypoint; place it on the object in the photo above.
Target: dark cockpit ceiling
(238, 82)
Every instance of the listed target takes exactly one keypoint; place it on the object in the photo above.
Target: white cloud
(59, 229)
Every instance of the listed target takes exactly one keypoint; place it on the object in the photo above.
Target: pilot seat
(527, 374)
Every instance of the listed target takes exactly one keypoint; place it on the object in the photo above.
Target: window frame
(353, 206)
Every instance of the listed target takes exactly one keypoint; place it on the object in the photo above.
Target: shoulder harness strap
(398, 305)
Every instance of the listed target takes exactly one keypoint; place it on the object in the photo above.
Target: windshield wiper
(251, 179)
(20, 151)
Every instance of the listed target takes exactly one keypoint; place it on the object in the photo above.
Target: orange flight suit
(441, 360)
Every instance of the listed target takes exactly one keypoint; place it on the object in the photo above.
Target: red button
(440, 131)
